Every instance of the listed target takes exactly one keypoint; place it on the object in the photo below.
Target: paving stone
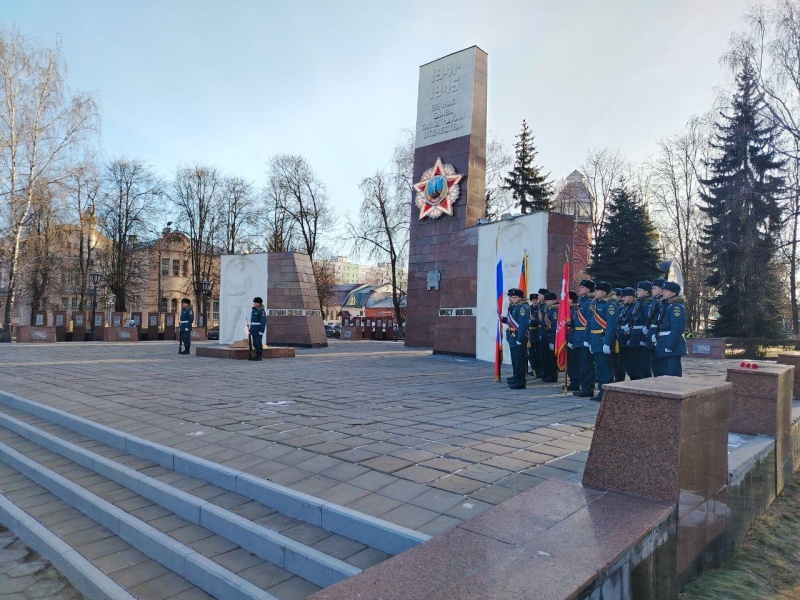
(294, 589)
(386, 464)
(161, 588)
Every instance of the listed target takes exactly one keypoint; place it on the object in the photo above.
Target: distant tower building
(574, 198)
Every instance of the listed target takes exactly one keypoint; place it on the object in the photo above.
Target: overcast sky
(230, 83)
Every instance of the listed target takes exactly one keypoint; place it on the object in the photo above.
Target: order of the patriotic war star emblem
(437, 191)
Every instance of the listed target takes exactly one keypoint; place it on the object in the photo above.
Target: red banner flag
(563, 317)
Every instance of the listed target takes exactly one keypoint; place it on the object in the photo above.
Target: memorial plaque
(38, 335)
(433, 280)
(116, 320)
(170, 321)
(77, 318)
(702, 348)
(98, 321)
(40, 319)
(153, 320)
(59, 319)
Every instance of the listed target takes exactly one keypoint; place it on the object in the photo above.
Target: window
(74, 303)
(186, 268)
(165, 266)
(176, 267)
(174, 305)
(162, 306)
(215, 310)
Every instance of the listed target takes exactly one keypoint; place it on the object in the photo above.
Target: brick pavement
(419, 440)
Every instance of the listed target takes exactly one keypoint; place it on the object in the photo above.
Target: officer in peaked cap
(185, 325)
(602, 335)
(517, 321)
(624, 327)
(549, 363)
(581, 339)
(573, 370)
(651, 327)
(670, 345)
(258, 325)
(534, 350)
(639, 354)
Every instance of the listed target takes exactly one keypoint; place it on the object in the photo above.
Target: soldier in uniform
(549, 363)
(581, 339)
(516, 335)
(652, 325)
(534, 357)
(258, 324)
(638, 346)
(185, 325)
(544, 334)
(670, 345)
(602, 335)
(573, 370)
(626, 366)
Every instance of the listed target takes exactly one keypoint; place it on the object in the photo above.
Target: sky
(231, 83)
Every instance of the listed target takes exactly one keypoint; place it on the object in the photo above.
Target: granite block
(793, 359)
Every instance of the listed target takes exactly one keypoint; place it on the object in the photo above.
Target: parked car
(213, 332)
(333, 330)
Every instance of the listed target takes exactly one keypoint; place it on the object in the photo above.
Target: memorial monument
(452, 300)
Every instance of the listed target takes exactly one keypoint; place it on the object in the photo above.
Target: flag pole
(566, 351)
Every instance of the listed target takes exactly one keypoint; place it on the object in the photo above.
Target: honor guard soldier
(185, 325)
(534, 358)
(670, 345)
(544, 334)
(581, 340)
(651, 327)
(624, 328)
(602, 335)
(517, 320)
(638, 345)
(549, 362)
(573, 371)
(258, 324)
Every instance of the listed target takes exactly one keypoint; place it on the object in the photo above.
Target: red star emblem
(437, 191)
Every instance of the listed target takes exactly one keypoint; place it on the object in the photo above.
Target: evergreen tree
(625, 251)
(744, 217)
(528, 186)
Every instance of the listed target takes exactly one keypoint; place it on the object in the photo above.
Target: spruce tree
(528, 186)
(744, 217)
(625, 251)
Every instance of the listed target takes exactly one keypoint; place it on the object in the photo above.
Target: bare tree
(381, 231)
(498, 162)
(196, 197)
(40, 122)
(603, 169)
(130, 193)
(304, 199)
(677, 172)
(279, 227)
(237, 212)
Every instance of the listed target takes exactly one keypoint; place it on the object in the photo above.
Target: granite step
(253, 535)
(208, 561)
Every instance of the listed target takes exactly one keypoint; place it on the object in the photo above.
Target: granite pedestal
(762, 404)
(28, 333)
(242, 353)
(792, 358)
(120, 334)
(667, 438)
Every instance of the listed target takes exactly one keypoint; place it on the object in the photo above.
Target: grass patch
(766, 566)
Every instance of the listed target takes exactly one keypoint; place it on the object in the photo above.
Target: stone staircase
(123, 517)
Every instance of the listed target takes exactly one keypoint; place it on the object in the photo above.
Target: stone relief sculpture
(243, 277)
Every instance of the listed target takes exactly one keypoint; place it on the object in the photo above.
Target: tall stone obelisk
(450, 178)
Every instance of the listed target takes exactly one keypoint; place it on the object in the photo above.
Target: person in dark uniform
(652, 325)
(185, 325)
(624, 328)
(549, 362)
(534, 357)
(573, 370)
(638, 346)
(581, 339)
(517, 335)
(258, 324)
(602, 335)
(670, 345)
(544, 334)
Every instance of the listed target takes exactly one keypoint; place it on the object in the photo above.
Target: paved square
(419, 440)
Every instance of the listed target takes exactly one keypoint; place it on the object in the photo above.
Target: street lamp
(94, 277)
(206, 287)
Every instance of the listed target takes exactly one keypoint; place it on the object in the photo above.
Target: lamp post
(94, 277)
(206, 287)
